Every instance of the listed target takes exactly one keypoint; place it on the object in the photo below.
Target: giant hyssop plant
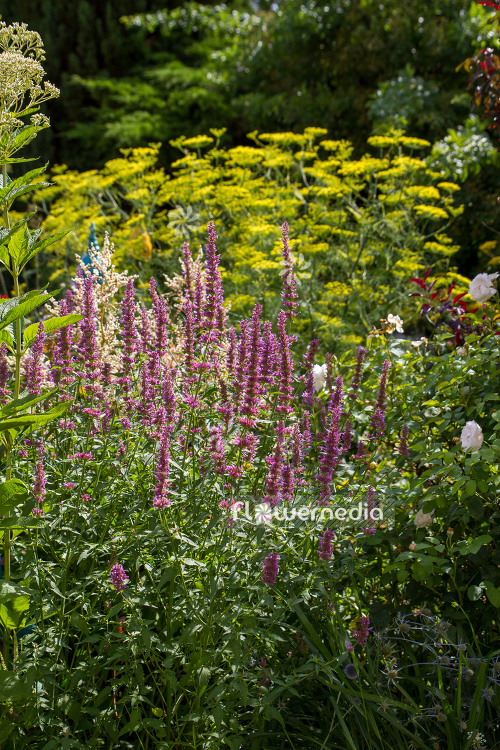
(198, 580)
(21, 94)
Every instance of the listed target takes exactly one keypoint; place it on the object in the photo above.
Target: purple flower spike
(270, 568)
(160, 318)
(4, 375)
(362, 634)
(118, 577)
(213, 309)
(129, 336)
(286, 386)
(325, 546)
(34, 365)
(403, 446)
(254, 373)
(330, 456)
(187, 267)
(269, 355)
(356, 380)
(39, 488)
(89, 349)
(274, 464)
(162, 471)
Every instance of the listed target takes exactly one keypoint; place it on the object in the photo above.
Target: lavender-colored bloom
(336, 398)
(403, 446)
(286, 386)
(350, 672)
(269, 354)
(330, 456)
(188, 336)
(325, 546)
(361, 452)
(225, 405)
(34, 364)
(146, 404)
(169, 400)
(252, 384)
(145, 331)
(297, 449)
(118, 577)
(289, 294)
(199, 296)
(308, 362)
(4, 375)
(346, 436)
(306, 433)
(240, 369)
(62, 360)
(129, 336)
(356, 380)
(160, 318)
(270, 568)
(329, 372)
(89, 349)
(162, 471)
(39, 491)
(216, 450)
(362, 634)
(231, 351)
(274, 463)
(287, 482)
(187, 267)
(213, 309)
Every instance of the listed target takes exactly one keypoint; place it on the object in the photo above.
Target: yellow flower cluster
(364, 225)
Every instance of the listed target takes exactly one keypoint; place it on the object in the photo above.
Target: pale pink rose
(422, 519)
(471, 437)
(319, 377)
(481, 287)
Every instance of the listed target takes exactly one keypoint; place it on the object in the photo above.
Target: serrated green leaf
(34, 420)
(18, 244)
(41, 245)
(20, 310)
(21, 522)
(12, 688)
(25, 402)
(12, 493)
(5, 234)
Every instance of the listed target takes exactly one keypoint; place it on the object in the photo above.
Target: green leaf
(475, 546)
(20, 310)
(474, 593)
(12, 688)
(9, 591)
(12, 493)
(17, 423)
(21, 522)
(10, 304)
(492, 593)
(25, 402)
(41, 245)
(5, 234)
(52, 324)
(470, 487)
(18, 244)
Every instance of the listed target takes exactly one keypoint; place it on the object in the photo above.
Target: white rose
(319, 376)
(395, 322)
(471, 437)
(481, 287)
(422, 519)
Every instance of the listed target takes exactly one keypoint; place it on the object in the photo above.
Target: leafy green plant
(22, 95)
